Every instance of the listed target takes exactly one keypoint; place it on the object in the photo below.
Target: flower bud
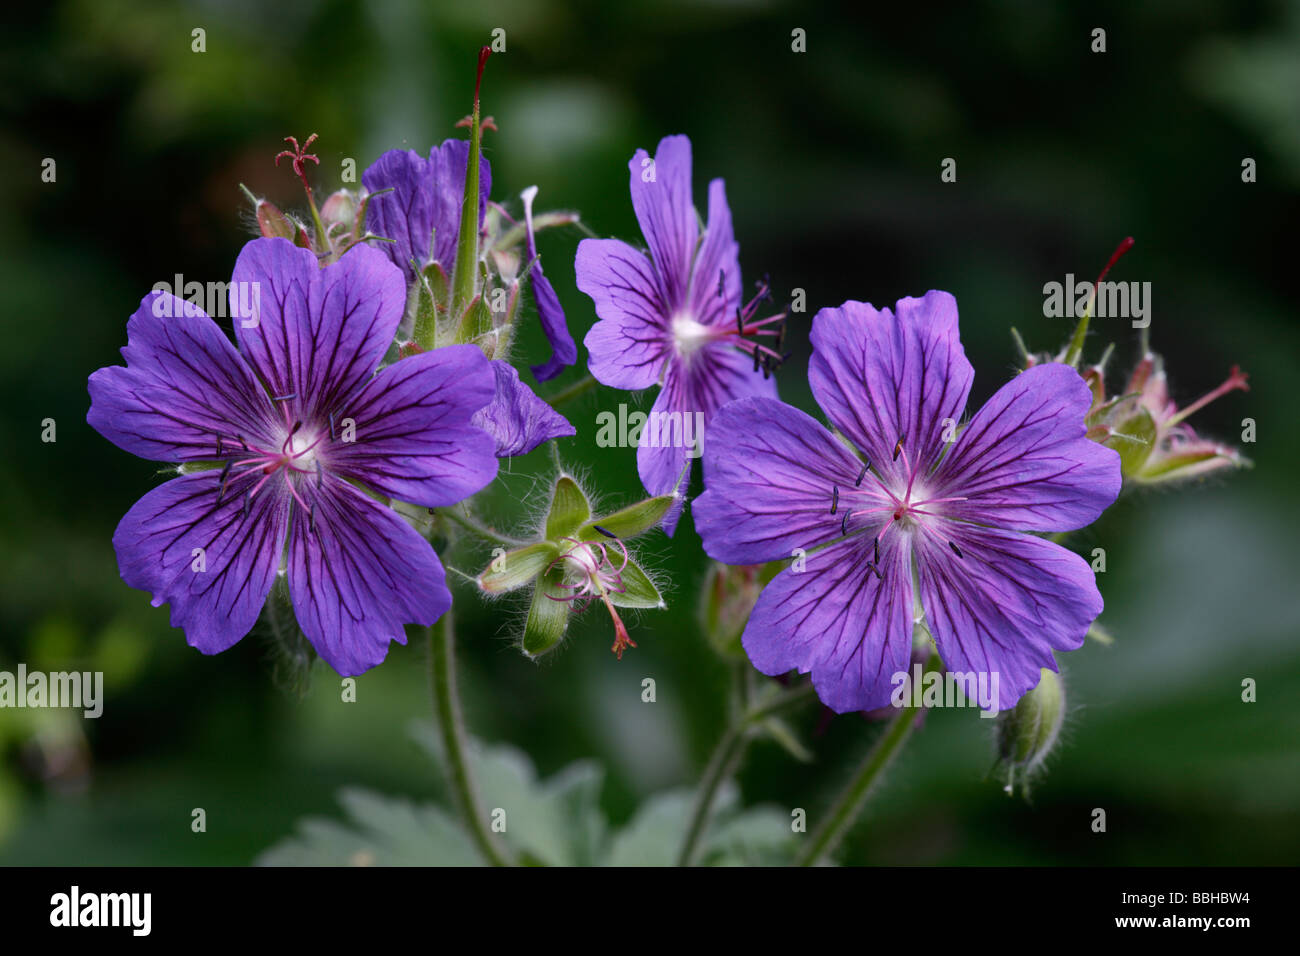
(1027, 732)
(726, 600)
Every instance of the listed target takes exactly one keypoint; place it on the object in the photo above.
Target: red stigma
(483, 55)
(1115, 256)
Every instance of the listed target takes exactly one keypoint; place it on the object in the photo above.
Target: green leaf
(639, 590)
(548, 617)
(759, 835)
(630, 521)
(517, 568)
(556, 822)
(382, 831)
(570, 509)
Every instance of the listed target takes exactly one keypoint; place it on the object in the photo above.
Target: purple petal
(359, 577)
(426, 200)
(835, 618)
(693, 391)
(1023, 461)
(319, 333)
(627, 348)
(563, 350)
(880, 376)
(661, 196)
(719, 256)
(769, 475)
(414, 437)
(667, 446)
(184, 386)
(516, 418)
(215, 596)
(1005, 604)
(405, 214)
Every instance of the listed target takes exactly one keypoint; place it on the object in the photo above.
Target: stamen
(320, 476)
(956, 550)
(722, 283)
(898, 447)
(608, 534)
(218, 446)
(312, 523)
(283, 398)
(875, 548)
(331, 426)
(844, 523)
(225, 476)
(835, 497)
(862, 474)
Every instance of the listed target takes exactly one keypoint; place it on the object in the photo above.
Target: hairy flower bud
(1027, 733)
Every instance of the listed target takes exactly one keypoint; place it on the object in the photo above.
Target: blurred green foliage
(832, 165)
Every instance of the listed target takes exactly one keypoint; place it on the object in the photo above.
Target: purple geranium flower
(674, 318)
(997, 600)
(292, 427)
(422, 213)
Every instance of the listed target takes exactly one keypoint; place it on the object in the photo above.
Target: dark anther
(757, 358)
(248, 502)
(722, 283)
(605, 532)
(225, 475)
(875, 549)
(956, 550)
(331, 426)
(835, 497)
(780, 336)
(319, 475)
(218, 446)
(767, 367)
(740, 322)
(862, 474)
(844, 523)
(283, 398)
(242, 443)
(898, 447)
(312, 522)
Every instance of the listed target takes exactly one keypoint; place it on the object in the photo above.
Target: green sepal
(638, 589)
(519, 567)
(1134, 438)
(430, 299)
(630, 521)
(548, 618)
(476, 321)
(570, 509)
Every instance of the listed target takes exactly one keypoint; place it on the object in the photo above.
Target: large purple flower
(674, 318)
(909, 505)
(299, 434)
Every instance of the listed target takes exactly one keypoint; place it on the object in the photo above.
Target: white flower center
(689, 335)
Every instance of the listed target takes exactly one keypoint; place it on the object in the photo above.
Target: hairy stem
(853, 797)
(483, 531)
(726, 757)
(568, 394)
(451, 726)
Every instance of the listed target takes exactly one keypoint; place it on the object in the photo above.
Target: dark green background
(832, 165)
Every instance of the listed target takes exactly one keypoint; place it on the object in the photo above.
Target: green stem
(483, 531)
(849, 803)
(451, 725)
(580, 387)
(726, 757)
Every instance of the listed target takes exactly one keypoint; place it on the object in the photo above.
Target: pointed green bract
(548, 616)
(630, 521)
(517, 568)
(638, 589)
(570, 509)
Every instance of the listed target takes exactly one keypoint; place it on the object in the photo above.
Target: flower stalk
(451, 728)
